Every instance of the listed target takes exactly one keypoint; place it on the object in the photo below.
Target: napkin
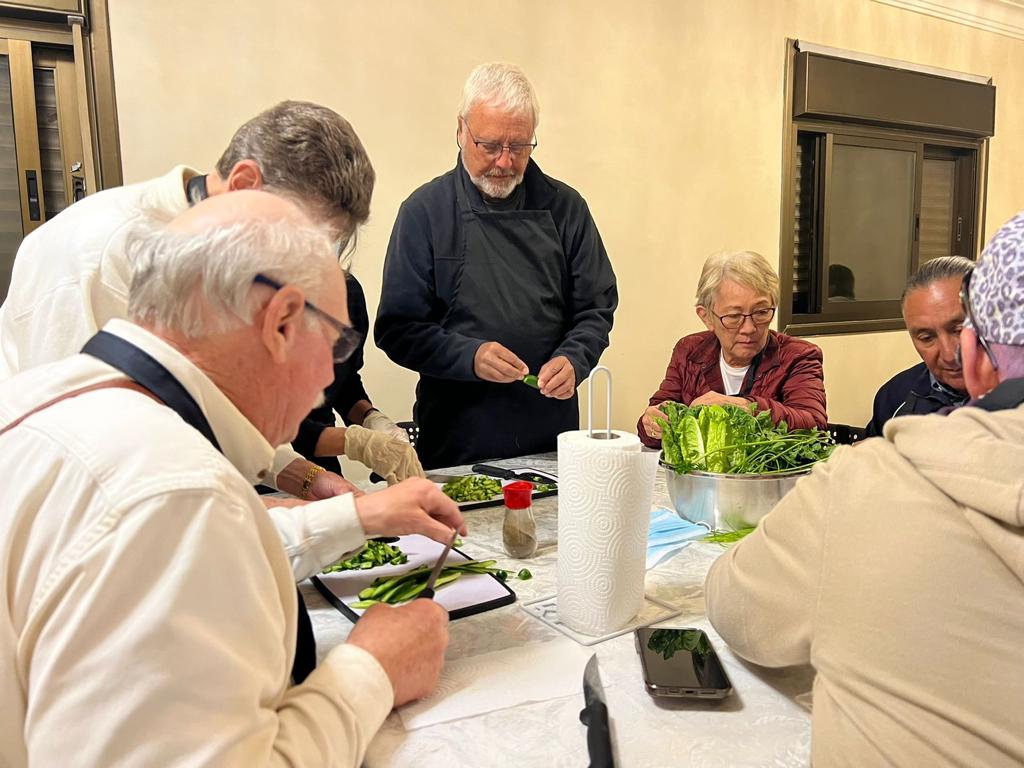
(500, 680)
(668, 534)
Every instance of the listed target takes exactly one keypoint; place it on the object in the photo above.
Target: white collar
(241, 442)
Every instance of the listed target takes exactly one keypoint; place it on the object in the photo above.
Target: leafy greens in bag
(729, 439)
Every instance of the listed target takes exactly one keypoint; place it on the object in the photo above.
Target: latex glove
(378, 422)
(390, 458)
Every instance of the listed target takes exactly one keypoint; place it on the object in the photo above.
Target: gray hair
(310, 154)
(744, 267)
(501, 85)
(197, 284)
(933, 270)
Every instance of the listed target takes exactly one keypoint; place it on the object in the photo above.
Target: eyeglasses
(965, 303)
(348, 337)
(734, 320)
(493, 149)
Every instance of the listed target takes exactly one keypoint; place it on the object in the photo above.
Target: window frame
(863, 319)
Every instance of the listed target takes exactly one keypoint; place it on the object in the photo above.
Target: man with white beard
(495, 271)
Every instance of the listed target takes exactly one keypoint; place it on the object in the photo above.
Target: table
(764, 722)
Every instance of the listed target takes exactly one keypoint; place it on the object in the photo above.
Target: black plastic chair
(845, 434)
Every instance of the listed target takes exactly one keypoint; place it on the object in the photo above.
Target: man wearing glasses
(934, 317)
(895, 568)
(495, 271)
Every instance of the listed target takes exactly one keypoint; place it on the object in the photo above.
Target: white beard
(496, 187)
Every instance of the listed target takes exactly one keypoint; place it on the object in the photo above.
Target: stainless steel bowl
(727, 502)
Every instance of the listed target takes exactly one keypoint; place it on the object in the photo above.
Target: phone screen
(680, 659)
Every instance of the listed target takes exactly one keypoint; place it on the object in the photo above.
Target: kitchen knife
(595, 716)
(509, 474)
(436, 477)
(428, 590)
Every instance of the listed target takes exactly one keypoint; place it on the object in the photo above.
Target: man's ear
(245, 174)
(705, 317)
(980, 377)
(281, 321)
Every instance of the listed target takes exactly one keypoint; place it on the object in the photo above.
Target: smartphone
(681, 662)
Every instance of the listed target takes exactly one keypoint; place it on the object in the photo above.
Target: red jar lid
(517, 494)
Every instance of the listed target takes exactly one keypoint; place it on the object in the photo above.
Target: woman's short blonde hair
(744, 267)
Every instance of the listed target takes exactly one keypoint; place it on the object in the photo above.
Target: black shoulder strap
(144, 369)
(195, 189)
(147, 371)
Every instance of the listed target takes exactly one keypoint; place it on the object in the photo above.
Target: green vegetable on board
(544, 487)
(472, 488)
(731, 439)
(727, 537)
(408, 586)
(372, 554)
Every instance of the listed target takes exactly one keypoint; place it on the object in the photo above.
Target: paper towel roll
(604, 505)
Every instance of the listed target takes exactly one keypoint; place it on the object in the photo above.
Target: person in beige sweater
(895, 569)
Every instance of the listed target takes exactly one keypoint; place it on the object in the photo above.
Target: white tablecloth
(761, 724)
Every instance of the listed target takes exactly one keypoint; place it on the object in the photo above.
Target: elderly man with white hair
(149, 608)
(896, 568)
(495, 271)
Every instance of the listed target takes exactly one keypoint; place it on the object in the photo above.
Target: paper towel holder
(608, 434)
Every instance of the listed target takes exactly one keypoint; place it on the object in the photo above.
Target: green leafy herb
(372, 554)
(730, 439)
(472, 488)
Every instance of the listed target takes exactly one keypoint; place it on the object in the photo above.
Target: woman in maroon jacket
(738, 360)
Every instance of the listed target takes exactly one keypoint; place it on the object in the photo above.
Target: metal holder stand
(608, 434)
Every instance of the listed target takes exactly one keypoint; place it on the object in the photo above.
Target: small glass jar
(519, 531)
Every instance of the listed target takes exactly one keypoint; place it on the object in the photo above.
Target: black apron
(149, 373)
(509, 284)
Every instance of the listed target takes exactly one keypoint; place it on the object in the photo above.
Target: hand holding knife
(428, 590)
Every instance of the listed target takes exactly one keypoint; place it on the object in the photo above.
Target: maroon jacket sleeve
(671, 389)
(802, 402)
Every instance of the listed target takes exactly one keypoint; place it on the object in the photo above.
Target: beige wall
(666, 115)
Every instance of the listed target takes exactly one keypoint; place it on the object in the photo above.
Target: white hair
(202, 283)
(501, 85)
(748, 268)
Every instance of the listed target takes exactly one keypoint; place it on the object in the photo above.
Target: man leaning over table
(72, 274)
(934, 317)
(896, 568)
(149, 610)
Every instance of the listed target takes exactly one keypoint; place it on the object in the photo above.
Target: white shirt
(732, 377)
(72, 275)
(147, 614)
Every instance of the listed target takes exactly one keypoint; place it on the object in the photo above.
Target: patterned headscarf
(997, 286)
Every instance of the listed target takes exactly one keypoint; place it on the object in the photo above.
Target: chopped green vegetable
(727, 537)
(408, 586)
(730, 439)
(472, 488)
(531, 381)
(524, 575)
(544, 487)
(372, 554)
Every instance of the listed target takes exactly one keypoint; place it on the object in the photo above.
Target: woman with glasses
(739, 360)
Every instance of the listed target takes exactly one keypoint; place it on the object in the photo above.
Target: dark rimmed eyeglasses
(348, 337)
(965, 303)
(493, 149)
(734, 320)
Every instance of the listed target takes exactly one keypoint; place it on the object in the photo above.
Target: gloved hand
(390, 458)
(378, 422)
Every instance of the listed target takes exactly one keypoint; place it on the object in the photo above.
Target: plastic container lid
(518, 494)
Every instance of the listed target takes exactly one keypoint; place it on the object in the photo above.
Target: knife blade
(595, 716)
(436, 477)
(530, 476)
(428, 590)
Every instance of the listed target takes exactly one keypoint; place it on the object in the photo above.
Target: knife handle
(599, 737)
(492, 471)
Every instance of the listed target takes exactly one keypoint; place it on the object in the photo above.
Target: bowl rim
(750, 476)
